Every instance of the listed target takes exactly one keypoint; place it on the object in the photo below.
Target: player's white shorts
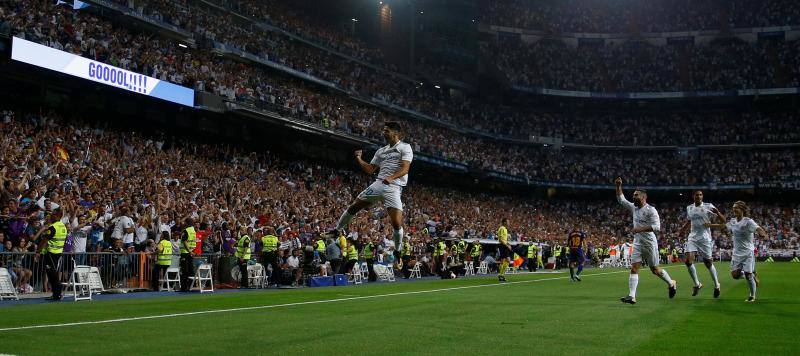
(702, 246)
(378, 191)
(645, 250)
(744, 263)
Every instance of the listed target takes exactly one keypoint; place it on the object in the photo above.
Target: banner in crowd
(790, 185)
(656, 95)
(67, 63)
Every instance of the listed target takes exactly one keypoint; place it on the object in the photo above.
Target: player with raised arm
(743, 230)
(699, 242)
(392, 162)
(645, 246)
(576, 240)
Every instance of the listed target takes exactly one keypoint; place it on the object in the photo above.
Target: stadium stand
(601, 16)
(249, 84)
(343, 85)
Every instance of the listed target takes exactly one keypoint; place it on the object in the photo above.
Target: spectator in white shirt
(124, 228)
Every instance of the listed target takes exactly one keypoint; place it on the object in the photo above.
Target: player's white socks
(713, 270)
(397, 235)
(751, 282)
(344, 220)
(633, 282)
(693, 274)
(665, 277)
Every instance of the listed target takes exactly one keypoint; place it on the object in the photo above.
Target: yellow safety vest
(531, 251)
(406, 249)
(270, 243)
(56, 243)
(476, 250)
(192, 240)
(368, 250)
(243, 248)
(352, 254)
(320, 246)
(165, 257)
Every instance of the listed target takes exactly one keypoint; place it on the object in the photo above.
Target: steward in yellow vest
(53, 237)
(187, 245)
(163, 260)
(269, 253)
(243, 256)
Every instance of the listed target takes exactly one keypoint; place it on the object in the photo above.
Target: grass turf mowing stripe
(272, 306)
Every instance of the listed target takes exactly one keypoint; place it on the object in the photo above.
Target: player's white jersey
(743, 234)
(698, 216)
(388, 159)
(644, 216)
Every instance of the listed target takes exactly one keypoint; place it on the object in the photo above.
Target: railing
(117, 270)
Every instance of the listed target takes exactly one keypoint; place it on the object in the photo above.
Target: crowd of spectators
(93, 37)
(120, 190)
(638, 66)
(626, 16)
(280, 13)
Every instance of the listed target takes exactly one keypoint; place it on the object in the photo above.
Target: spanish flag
(61, 153)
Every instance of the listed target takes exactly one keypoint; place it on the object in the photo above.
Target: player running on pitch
(699, 241)
(645, 246)
(392, 163)
(576, 242)
(743, 260)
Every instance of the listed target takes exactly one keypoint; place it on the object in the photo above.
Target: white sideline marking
(108, 321)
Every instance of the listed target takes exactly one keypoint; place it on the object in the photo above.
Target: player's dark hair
(742, 205)
(394, 126)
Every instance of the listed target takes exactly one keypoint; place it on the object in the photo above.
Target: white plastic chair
(364, 268)
(172, 277)
(256, 276)
(355, 276)
(483, 268)
(468, 269)
(202, 276)
(415, 272)
(384, 273)
(85, 281)
(7, 289)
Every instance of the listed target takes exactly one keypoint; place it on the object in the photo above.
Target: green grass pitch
(542, 314)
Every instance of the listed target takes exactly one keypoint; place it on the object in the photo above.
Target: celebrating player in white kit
(743, 260)
(392, 163)
(699, 241)
(645, 246)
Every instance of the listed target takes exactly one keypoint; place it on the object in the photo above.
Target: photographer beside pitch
(645, 246)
